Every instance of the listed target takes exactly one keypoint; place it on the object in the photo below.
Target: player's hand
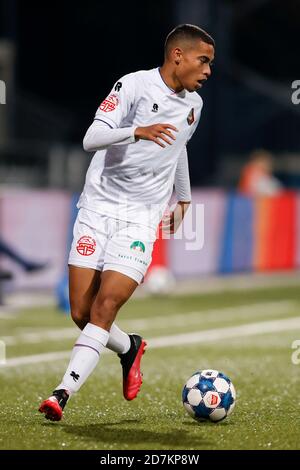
(156, 133)
(172, 221)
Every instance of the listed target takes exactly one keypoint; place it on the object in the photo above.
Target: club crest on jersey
(110, 103)
(191, 118)
(155, 108)
(138, 246)
(86, 246)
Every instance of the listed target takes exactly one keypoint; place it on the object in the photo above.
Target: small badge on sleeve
(109, 104)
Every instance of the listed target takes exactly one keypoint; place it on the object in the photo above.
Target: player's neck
(170, 79)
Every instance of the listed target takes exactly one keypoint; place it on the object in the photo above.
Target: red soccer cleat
(131, 361)
(54, 405)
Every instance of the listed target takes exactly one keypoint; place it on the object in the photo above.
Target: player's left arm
(172, 221)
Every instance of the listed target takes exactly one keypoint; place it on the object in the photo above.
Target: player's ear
(177, 55)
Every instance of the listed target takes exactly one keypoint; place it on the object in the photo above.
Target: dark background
(69, 54)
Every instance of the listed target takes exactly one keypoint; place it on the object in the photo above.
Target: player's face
(194, 67)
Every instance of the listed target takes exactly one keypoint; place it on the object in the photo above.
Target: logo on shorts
(86, 246)
(109, 104)
(138, 246)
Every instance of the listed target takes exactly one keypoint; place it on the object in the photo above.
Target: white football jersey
(134, 181)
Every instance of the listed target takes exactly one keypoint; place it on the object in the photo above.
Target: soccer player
(139, 135)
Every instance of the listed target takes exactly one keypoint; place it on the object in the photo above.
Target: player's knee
(111, 303)
(106, 306)
(79, 317)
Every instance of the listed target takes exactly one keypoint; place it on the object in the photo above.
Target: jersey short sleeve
(117, 105)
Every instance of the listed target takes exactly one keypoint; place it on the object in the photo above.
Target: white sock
(118, 341)
(84, 358)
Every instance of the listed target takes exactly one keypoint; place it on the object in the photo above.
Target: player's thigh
(115, 289)
(84, 284)
(116, 286)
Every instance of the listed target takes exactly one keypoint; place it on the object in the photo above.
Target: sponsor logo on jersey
(110, 103)
(155, 108)
(138, 246)
(86, 246)
(118, 86)
(191, 118)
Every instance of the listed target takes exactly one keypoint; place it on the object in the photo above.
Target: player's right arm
(100, 136)
(106, 130)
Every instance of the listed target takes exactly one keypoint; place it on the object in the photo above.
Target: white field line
(250, 329)
(41, 336)
(198, 337)
(167, 321)
(191, 318)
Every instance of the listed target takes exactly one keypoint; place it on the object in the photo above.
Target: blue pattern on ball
(206, 385)
(226, 400)
(223, 376)
(185, 392)
(201, 411)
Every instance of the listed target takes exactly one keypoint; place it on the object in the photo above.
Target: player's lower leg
(84, 358)
(130, 354)
(93, 340)
(120, 343)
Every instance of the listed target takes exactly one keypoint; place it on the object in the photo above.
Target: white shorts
(103, 243)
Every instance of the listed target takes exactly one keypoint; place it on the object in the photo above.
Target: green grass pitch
(266, 415)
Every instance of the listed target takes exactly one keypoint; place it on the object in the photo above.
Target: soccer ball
(208, 395)
(159, 281)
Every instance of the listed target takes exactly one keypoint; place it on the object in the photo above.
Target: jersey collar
(173, 92)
